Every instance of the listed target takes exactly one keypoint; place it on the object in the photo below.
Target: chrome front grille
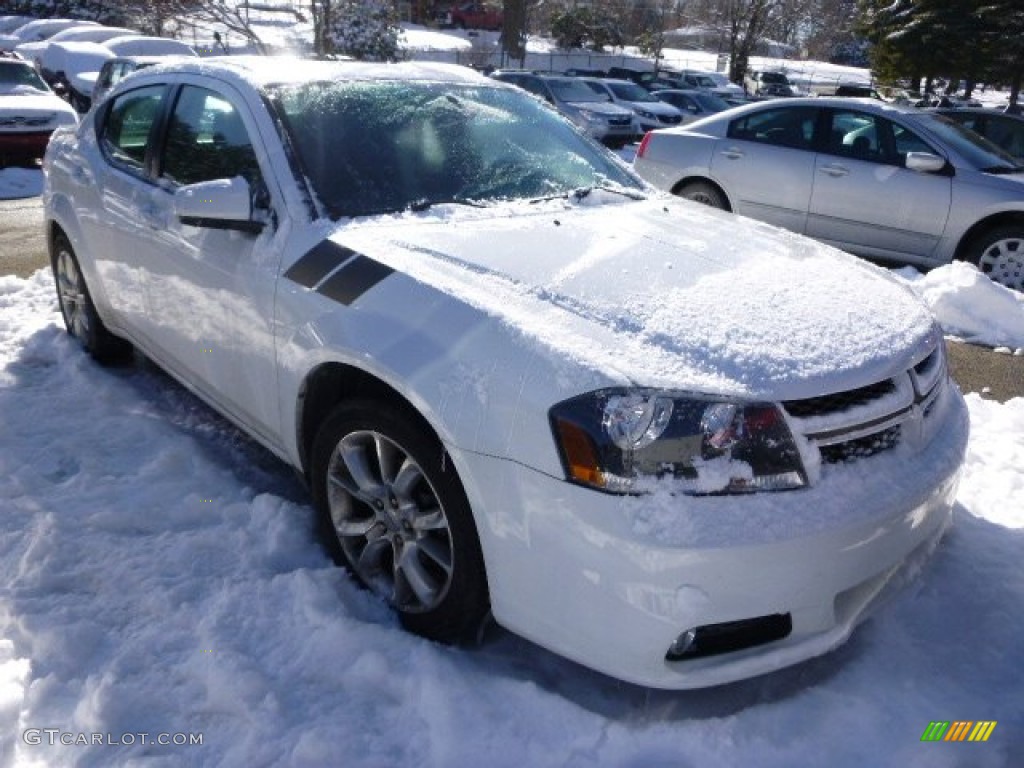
(850, 425)
(23, 121)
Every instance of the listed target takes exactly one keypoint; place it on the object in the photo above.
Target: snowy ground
(20, 182)
(158, 575)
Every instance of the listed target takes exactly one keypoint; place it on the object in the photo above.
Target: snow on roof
(74, 57)
(262, 71)
(139, 45)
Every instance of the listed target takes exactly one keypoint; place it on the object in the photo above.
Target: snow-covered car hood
(20, 103)
(654, 107)
(601, 108)
(666, 293)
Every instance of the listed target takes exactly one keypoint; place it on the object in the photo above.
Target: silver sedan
(883, 182)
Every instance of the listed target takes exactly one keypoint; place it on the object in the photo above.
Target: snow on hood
(600, 107)
(21, 89)
(666, 293)
(34, 103)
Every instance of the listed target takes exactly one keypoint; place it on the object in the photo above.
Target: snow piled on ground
(158, 574)
(970, 306)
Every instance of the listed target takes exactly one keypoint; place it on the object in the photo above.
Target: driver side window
(207, 140)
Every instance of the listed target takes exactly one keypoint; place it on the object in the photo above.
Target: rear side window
(126, 129)
(784, 127)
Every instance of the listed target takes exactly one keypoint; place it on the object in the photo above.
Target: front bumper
(612, 581)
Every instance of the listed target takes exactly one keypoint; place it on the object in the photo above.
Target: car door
(766, 164)
(209, 289)
(120, 179)
(865, 200)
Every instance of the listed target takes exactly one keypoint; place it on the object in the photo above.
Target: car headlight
(616, 439)
(590, 117)
(645, 114)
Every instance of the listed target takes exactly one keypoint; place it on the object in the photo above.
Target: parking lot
(977, 369)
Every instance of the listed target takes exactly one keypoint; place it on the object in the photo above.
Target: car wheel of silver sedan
(704, 193)
(393, 512)
(80, 316)
(999, 253)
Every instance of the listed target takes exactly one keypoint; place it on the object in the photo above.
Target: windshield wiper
(1000, 170)
(424, 203)
(581, 192)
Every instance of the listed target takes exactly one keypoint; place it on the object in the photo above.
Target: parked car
(140, 45)
(9, 24)
(36, 52)
(884, 182)
(516, 383)
(648, 112)
(694, 105)
(116, 69)
(711, 82)
(857, 91)
(593, 113)
(1004, 130)
(643, 77)
(75, 67)
(41, 29)
(29, 113)
(769, 84)
(472, 15)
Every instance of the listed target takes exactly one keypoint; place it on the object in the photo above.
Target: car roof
(977, 111)
(263, 71)
(835, 102)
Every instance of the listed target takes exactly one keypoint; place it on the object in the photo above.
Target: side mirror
(218, 204)
(924, 162)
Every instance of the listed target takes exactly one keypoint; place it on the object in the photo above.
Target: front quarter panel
(483, 385)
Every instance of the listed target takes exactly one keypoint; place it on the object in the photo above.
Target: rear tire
(999, 253)
(80, 317)
(394, 513)
(704, 193)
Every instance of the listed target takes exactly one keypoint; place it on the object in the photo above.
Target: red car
(472, 16)
(29, 113)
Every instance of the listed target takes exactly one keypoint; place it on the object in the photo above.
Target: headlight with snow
(618, 440)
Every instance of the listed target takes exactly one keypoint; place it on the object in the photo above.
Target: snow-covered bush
(365, 29)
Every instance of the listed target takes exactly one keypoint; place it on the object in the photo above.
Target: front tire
(394, 512)
(704, 193)
(80, 317)
(999, 253)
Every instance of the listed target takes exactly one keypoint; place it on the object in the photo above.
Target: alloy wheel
(389, 521)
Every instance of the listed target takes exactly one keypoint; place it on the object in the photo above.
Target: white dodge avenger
(679, 447)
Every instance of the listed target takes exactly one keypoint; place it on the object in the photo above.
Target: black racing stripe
(354, 279)
(318, 263)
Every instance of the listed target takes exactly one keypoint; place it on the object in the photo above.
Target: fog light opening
(729, 636)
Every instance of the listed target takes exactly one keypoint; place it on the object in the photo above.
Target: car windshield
(574, 90)
(15, 74)
(981, 153)
(631, 92)
(709, 102)
(378, 147)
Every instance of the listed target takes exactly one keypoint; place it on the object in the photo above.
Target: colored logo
(958, 730)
